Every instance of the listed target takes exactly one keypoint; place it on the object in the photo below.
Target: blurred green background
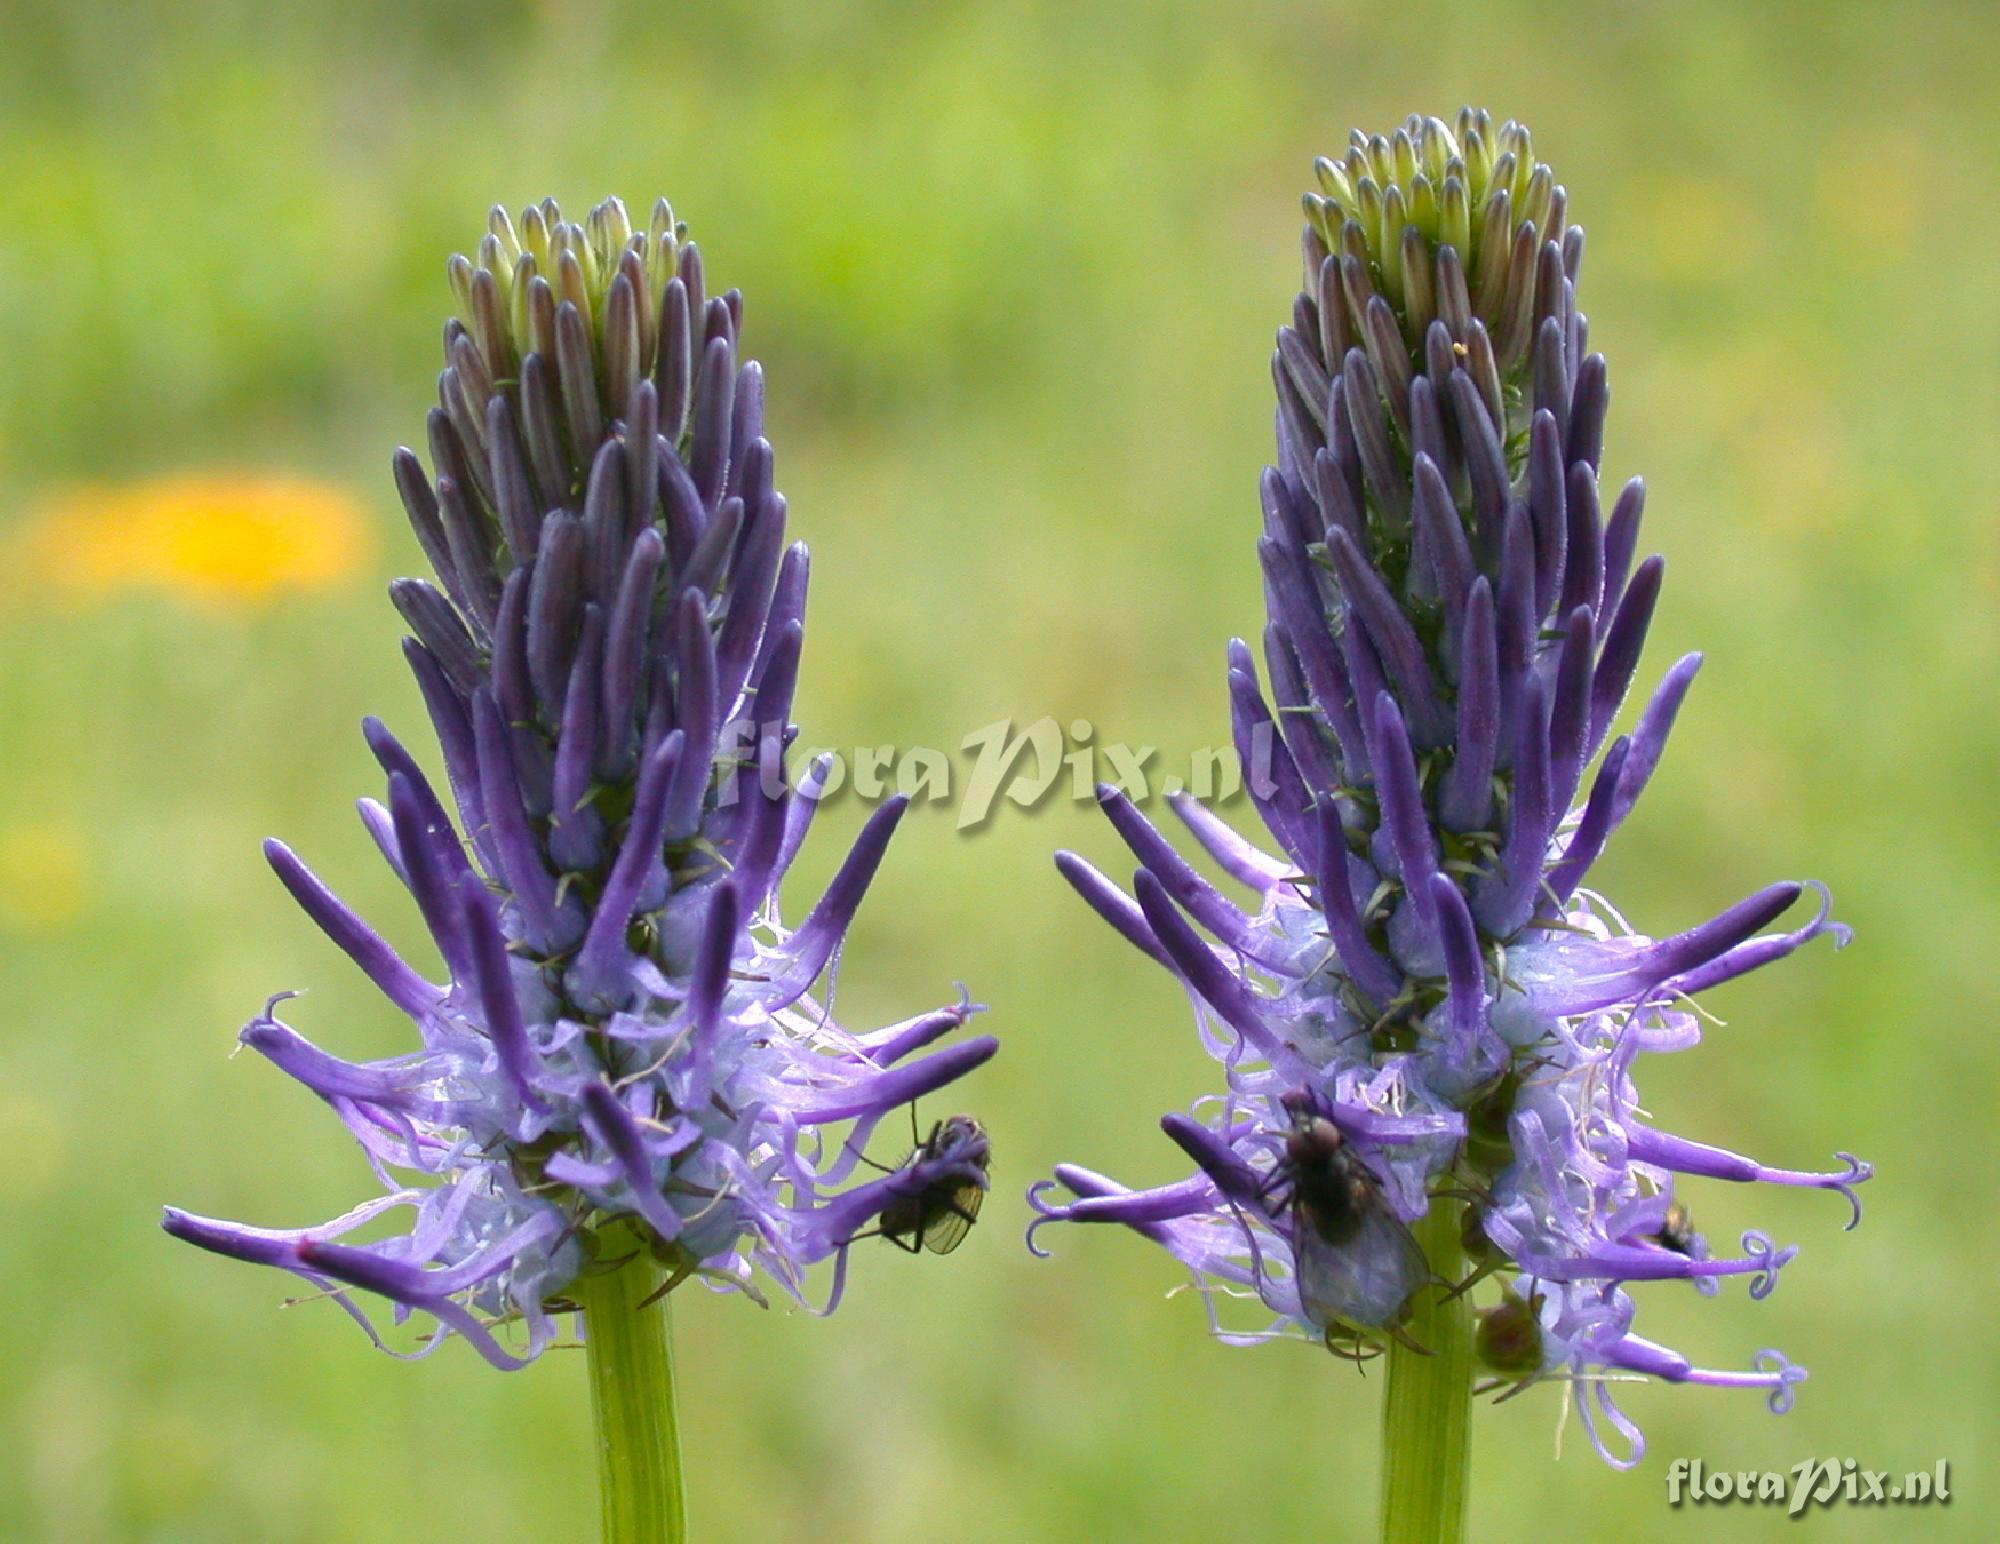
(1013, 271)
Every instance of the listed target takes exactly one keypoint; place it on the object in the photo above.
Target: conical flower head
(1423, 1006)
(624, 1049)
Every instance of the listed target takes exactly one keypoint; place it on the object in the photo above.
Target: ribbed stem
(1426, 1416)
(632, 1406)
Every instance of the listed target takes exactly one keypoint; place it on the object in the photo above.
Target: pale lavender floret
(623, 1052)
(1454, 625)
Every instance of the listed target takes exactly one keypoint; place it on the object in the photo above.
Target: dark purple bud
(1390, 356)
(1378, 980)
(511, 683)
(1379, 469)
(625, 654)
(420, 503)
(471, 554)
(576, 374)
(1621, 541)
(604, 520)
(1587, 405)
(494, 980)
(1231, 1175)
(1273, 782)
(1298, 438)
(709, 561)
(441, 630)
(1623, 644)
(695, 711)
(1209, 906)
(1304, 622)
(1466, 802)
(555, 600)
(1506, 897)
(1548, 509)
(1395, 640)
(547, 928)
(673, 369)
(1403, 814)
(1435, 517)
(515, 499)
(597, 976)
(542, 433)
(1464, 969)
(453, 726)
(621, 345)
(788, 607)
(1569, 709)
(642, 458)
(1296, 364)
(1551, 375)
(1516, 622)
(1583, 560)
(1485, 462)
(714, 412)
(749, 472)
(754, 572)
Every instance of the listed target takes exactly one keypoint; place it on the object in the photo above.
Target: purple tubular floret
(1622, 643)
(1198, 965)
(1395, 640)
(494, 981)
(1203, 901)
(1649, 739)
(1371, 972)
(1112, 904)
(820, 934)
(1466, 802)
(357, 940)
(1403, 814)
(1593, 829)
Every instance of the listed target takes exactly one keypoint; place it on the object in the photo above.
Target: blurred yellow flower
(32, 1147)
(44, 879)
(216, 537)
(1696, 230)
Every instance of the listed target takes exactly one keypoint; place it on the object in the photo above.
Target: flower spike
(1427, 1025)
(624, 1050)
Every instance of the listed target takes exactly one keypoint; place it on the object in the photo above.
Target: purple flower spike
(1418, 997)
(624, 1050)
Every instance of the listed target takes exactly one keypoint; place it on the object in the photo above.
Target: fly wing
(1364, 1281)
(946, 1231)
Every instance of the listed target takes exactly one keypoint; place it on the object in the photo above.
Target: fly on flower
(1428, 1027)
(941, 1211)
(623, 1058)
(1356, 1264)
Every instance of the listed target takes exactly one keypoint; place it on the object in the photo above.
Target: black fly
(939, 1214)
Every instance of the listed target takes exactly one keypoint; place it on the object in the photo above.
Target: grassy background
(1013, 270)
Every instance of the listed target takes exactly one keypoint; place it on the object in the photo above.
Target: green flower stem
(632, 1406)
(1426, 1416)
